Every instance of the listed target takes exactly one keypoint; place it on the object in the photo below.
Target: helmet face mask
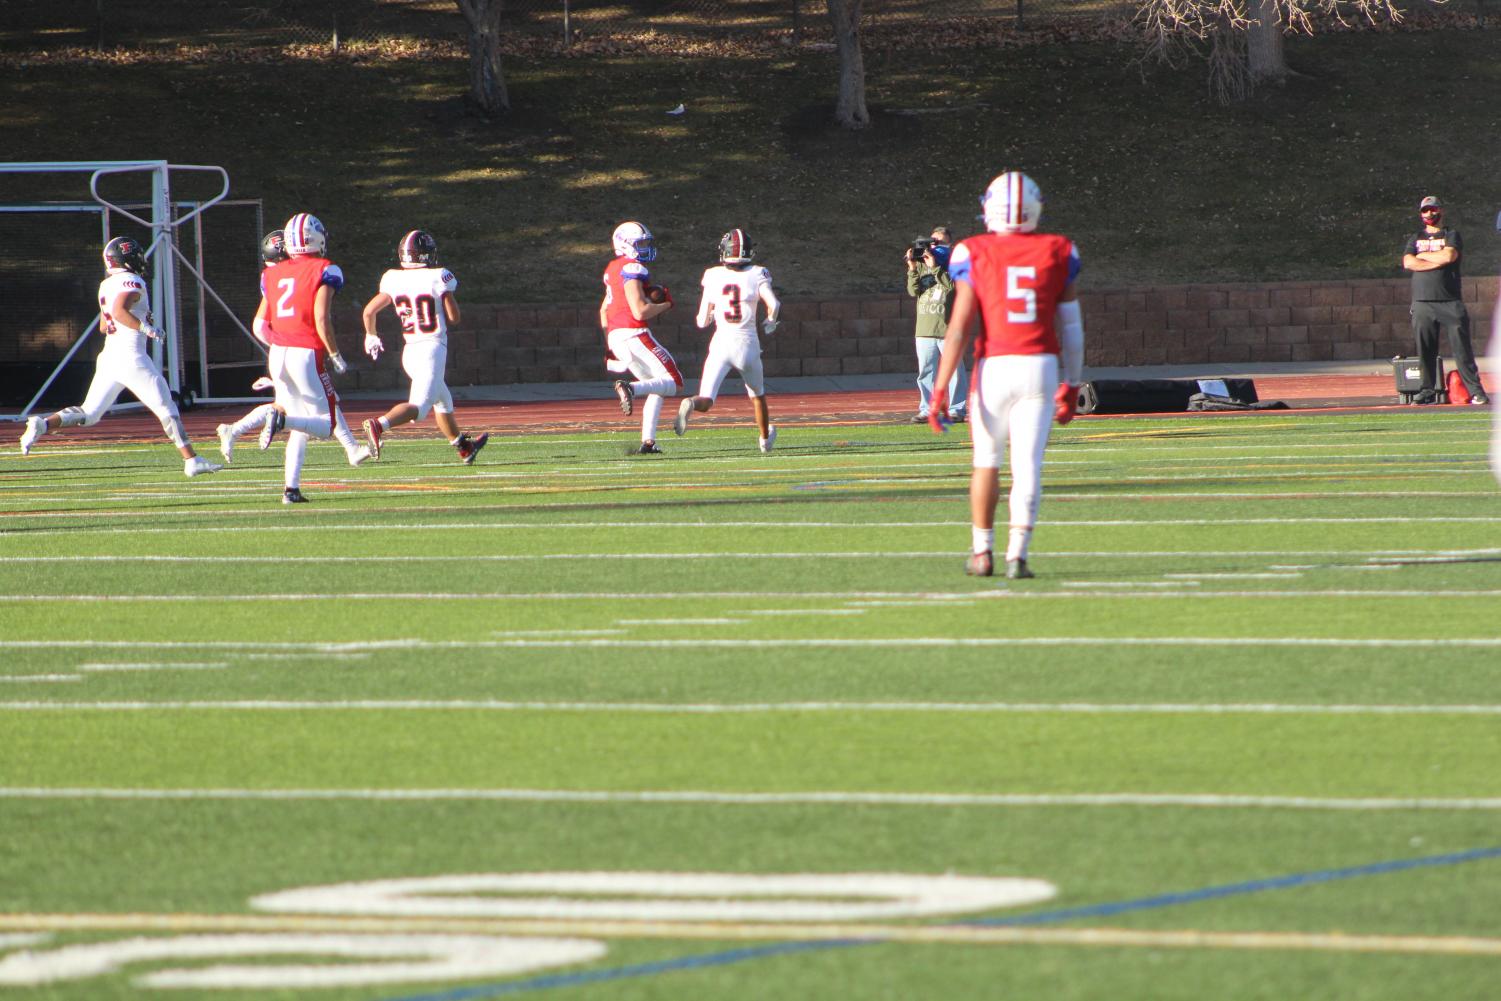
(736, 247)
(273, 248)
(418, 249)
(125, 253)
(633, 240)
(1012, 204)
(305, 235)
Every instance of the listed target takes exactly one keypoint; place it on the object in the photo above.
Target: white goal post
(182, 298)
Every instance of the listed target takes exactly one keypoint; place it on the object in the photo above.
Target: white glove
(264, 382)
(769, 326)
(150, 330)
(337, 361)
(374, 346)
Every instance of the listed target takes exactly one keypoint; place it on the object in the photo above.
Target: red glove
(1066, 402)
(938, 411)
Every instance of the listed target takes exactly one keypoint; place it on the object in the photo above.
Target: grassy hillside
(1157, 184)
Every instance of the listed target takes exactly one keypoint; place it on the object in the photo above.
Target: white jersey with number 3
(733, 294)
(417, 294)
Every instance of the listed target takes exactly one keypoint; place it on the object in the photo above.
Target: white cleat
(35, 428)
(198, 464)
(685, 410)
(770, 439)
(359, 455)
(226, 433)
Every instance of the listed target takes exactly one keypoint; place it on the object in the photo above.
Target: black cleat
(469, 447)
(292, 495)
(648, 448)
(626, 395)
(980, 565)
(274, 423)
(1017, 570)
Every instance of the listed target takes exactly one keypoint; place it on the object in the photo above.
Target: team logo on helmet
(1012, 203)
(635, 241)
(305, 235)
(273, 248)
(418, 250)
(125, 253)
(736, 247)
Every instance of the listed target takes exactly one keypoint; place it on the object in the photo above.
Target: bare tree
(1242, 39)
(487, 82)
(849, 107)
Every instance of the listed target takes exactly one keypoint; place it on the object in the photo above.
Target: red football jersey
(617, 309)
(290, 289)
(1018, 280)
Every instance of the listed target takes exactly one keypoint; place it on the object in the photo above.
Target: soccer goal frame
(163, 219)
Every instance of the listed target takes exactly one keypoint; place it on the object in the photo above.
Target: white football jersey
(417, 294)
(733, 293)
(109, 290)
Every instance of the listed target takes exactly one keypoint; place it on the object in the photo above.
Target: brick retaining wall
(1167, 325)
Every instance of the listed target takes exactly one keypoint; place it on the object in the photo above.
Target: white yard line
(960, 934)
(856, 643)
(710, 797)
(756, 708)
(157, 666)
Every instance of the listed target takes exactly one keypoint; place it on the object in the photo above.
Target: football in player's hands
(658, 293)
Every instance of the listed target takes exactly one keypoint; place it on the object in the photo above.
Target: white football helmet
(635, 241)
(305, 235)
(1012, 204)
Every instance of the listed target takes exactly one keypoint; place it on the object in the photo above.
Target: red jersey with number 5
(1018, 280)
(618, 313)
(290, 289)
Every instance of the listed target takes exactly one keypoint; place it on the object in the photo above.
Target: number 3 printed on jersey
(731, 313)
(1022, 295)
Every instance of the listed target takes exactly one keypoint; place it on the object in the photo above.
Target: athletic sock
(984, 539)
(1017, 542)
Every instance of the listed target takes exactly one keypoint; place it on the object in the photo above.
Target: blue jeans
(929, 350)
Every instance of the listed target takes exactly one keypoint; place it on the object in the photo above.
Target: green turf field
(1239, 739)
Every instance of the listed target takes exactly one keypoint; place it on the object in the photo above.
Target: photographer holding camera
(929, 283)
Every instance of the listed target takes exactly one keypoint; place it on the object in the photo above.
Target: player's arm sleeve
(1069, 321)
(333, 277)
(769, 296)
(959, 265)
(705, 308)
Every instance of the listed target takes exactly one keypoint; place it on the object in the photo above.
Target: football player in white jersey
(274, 249)
(125, 320)
(423, 296)
(733, 291)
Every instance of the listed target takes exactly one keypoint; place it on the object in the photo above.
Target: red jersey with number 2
(290, 289)
(617, 309)
(1018, 280)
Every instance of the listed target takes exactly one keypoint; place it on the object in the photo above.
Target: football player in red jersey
(630, 347)
(297, 304)
(1018, 284)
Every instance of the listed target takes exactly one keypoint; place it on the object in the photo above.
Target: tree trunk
(849, 108)
(1264, 59)
(487, 81)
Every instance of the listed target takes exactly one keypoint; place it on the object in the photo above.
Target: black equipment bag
(1153, 396)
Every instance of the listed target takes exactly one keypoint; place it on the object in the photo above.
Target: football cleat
(685, 410)
(292, 495)
(469, 447)
(980, 565)
(1017, 570)
(359, 455)
(770, 439)
(35, 428)
(373, 435)
(626, 395)
(226, 433)
(275, 421)
(198, 464)
(1479, 400)
(648, 448)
